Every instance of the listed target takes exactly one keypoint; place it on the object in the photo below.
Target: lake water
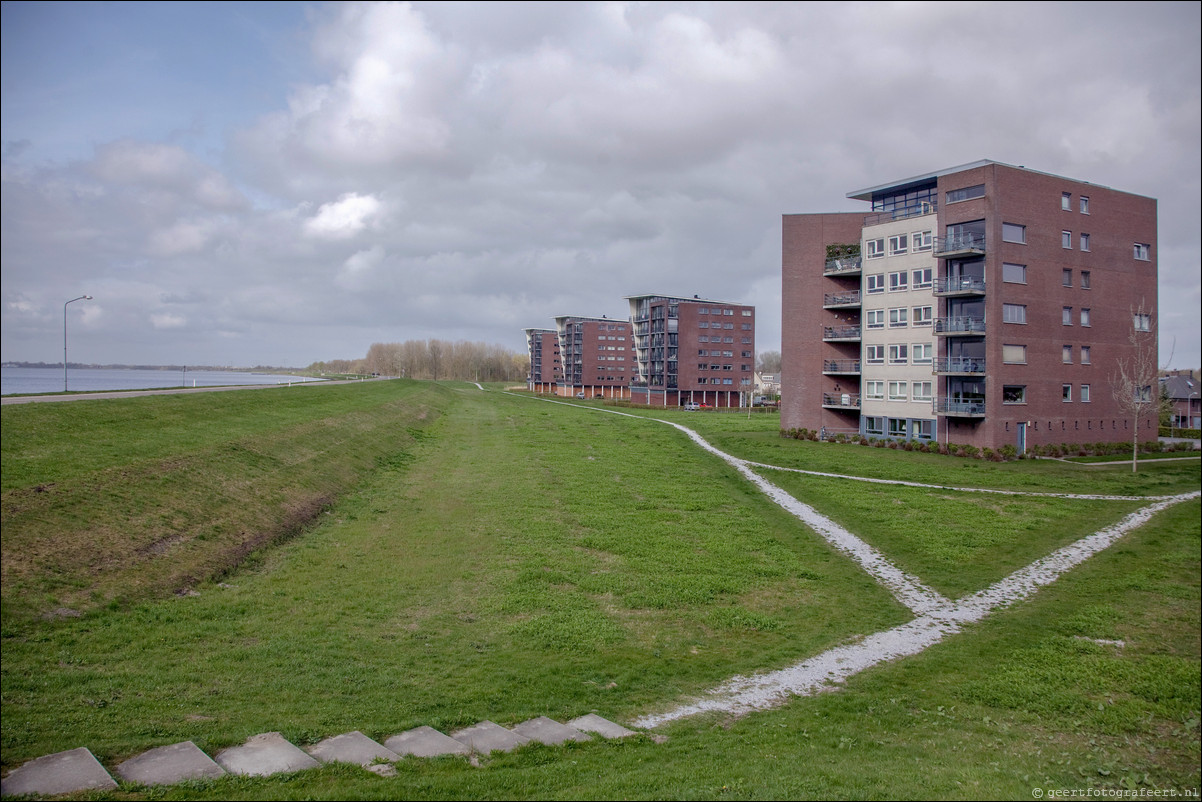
(15, 381)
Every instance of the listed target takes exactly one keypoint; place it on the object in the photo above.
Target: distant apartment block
(546, 369)
(984, 304)
(691, 350)
(597, 355)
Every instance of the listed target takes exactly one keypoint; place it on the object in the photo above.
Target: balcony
(959, 285)
(836, 300)
(959, 326)
(901, 213)
(849, 401)
(959, 366)
(960, 407)
(841, 333)
(841, 366)
(843, 266)
(959, 246)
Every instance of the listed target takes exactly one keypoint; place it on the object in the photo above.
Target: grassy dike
(477, 555)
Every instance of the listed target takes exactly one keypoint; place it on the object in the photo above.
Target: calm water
(15, 381)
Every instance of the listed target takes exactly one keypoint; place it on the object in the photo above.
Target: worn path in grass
(938, 617)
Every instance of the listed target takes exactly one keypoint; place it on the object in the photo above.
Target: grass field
(456, 555)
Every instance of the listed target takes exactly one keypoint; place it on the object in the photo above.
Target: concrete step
(549, 732)
(351, 747)
(168, 765)
(60, 773)
(426, 742)
(488, 737)
(599, 726)
(264, 754)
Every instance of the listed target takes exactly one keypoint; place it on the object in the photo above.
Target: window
(874, 425)
(1066, 392)
(967, 193)
(923, 278)
(746, 313)
(1066, 355)
(898, 318)
(1142, 321)
(875, 282)
(1014, 274)
(876, 318)
(1085, 394)
(922, 240)
(1012, 232)
(874, 390)
(923, 391)
(1143, 251)
(1066, 316)
(898, 391)
(1085, 355)
(705, 324)
(874, 354)
(1014, 354)
(1066, 201)
(1066, 277)
(875, 248)
(1085, 242)
(1014, 313)
(897, 427)
(1085, 317)
(1084, 204)
(898, 281)
(1066, 239)
(1014, 394)
(899, 243)
(898, 354)
(923, 315)
(923, 352)
(923, 429)
(728, 312)
(1085, 279)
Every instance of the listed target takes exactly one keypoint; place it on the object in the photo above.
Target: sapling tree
(1136, 378)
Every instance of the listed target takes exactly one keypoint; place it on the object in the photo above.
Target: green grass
(506, 558)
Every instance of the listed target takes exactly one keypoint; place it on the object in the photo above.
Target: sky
(282, 183)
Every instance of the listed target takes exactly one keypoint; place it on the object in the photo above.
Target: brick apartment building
(691, 350)
(546, 369)
(984, 304)
(597, 355)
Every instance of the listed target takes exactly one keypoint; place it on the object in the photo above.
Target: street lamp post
(73, 300)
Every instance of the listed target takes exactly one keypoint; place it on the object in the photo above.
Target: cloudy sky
(279, 183)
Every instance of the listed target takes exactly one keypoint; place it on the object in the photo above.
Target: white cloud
(343, 218)
(168, 320)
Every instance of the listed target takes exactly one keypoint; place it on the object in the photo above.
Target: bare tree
(1135, 382)
(769, 362)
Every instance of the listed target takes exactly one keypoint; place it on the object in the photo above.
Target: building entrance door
(1022, 438)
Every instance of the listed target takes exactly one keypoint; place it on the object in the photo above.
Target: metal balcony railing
(959, 244)
(844, 264)
(960, 407)
(960, 324)
(840, 366)
(840, 332)
(959, 364)
(841, 298)
(841, 400)
(960, 285)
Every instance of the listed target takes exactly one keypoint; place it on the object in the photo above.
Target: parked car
(580, 395)
(691, 406)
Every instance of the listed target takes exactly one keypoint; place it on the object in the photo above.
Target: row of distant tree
(435, 359)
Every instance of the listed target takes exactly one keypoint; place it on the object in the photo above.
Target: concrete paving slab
(168, 765)
(601, 726)
(264, 754)
(426, 742)
(488, 737)
(60, 773)
(351, 747)
(549, 732)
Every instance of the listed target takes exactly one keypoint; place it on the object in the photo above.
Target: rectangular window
(898, 391)
(1066, 277)
(705, 324)
(1085, 242)
(967, 193)
(898, 354)
(898, 318)
(1066, 355)
(1085, 394)
(898, 282)
(874, 354)
(1085, 317)
(1014, 354)
(1066, 316)
(1142, 321)
(923, 391)
(746, 313)
(923, 352)
(1012, 232)
(1143, 251)
(1014, 274)
(1085, 279)
(1014, 394)
(897, 426)
(1085, 355)
(899, 243)
(874, 390)
(1066, 201)
(1014, 313)
(923, 278)
(1066, 392)
(923, 315)
(1084, 204)
(1066, 239)
(875, 282)
(874, 248)
(876, 318)
(922, 240)
(874, 425)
